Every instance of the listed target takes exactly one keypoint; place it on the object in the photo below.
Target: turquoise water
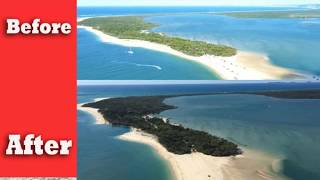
(110, 11)
(100, 61)
(291, 43)
(102, 156)
(288, 128)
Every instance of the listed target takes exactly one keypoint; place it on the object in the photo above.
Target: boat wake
(142, 65)
(149, 65)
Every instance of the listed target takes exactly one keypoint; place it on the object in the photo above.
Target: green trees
(135, 111)
(134, 27)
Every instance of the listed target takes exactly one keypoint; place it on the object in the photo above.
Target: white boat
(130, 51)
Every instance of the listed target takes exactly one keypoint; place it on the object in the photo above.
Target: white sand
(242, 66)
(101, 98)
(82, 18)
(94, 112)
(197, 166)
(252, 165)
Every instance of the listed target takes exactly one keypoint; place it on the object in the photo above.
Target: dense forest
(297, 94)
(134, 27)
(139, 112)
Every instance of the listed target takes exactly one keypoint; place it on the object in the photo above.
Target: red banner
(38, 87)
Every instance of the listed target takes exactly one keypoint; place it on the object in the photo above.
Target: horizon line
(184, 82)
(204, 5)
(277, 5)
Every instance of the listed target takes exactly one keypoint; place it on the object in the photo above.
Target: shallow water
(290, 43)
(102, 156)
(285, 128)
(100, 61)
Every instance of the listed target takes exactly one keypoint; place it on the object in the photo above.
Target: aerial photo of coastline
(198, 89)
(257, 42)
(196, 130)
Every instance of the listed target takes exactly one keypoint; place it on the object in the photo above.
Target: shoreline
(251, 165)
(94, 112)
(183, 167)
(242, 66)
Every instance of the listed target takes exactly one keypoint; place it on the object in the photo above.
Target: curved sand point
(249, 166)
(184, 167)
(254, 165)
(242, 66)
(94, 112)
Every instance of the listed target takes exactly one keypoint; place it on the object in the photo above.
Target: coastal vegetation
(135, 27)
(140, 112)
(297, 94)
(314, 13)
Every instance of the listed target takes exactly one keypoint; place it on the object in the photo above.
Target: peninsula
(225, 61)
(191, 154)
(134, 27)
(139, 113)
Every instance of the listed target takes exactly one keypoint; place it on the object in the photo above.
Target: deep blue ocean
(291, 43)
(285, 127)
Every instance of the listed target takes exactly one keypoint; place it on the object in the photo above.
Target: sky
(194, 2)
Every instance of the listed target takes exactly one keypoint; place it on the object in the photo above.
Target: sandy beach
(242, 66)
(94, 112)
(251, 165)
(185, 167)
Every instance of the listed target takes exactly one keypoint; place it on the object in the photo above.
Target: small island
(314, 13)
(134, 27)
(140, 113)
